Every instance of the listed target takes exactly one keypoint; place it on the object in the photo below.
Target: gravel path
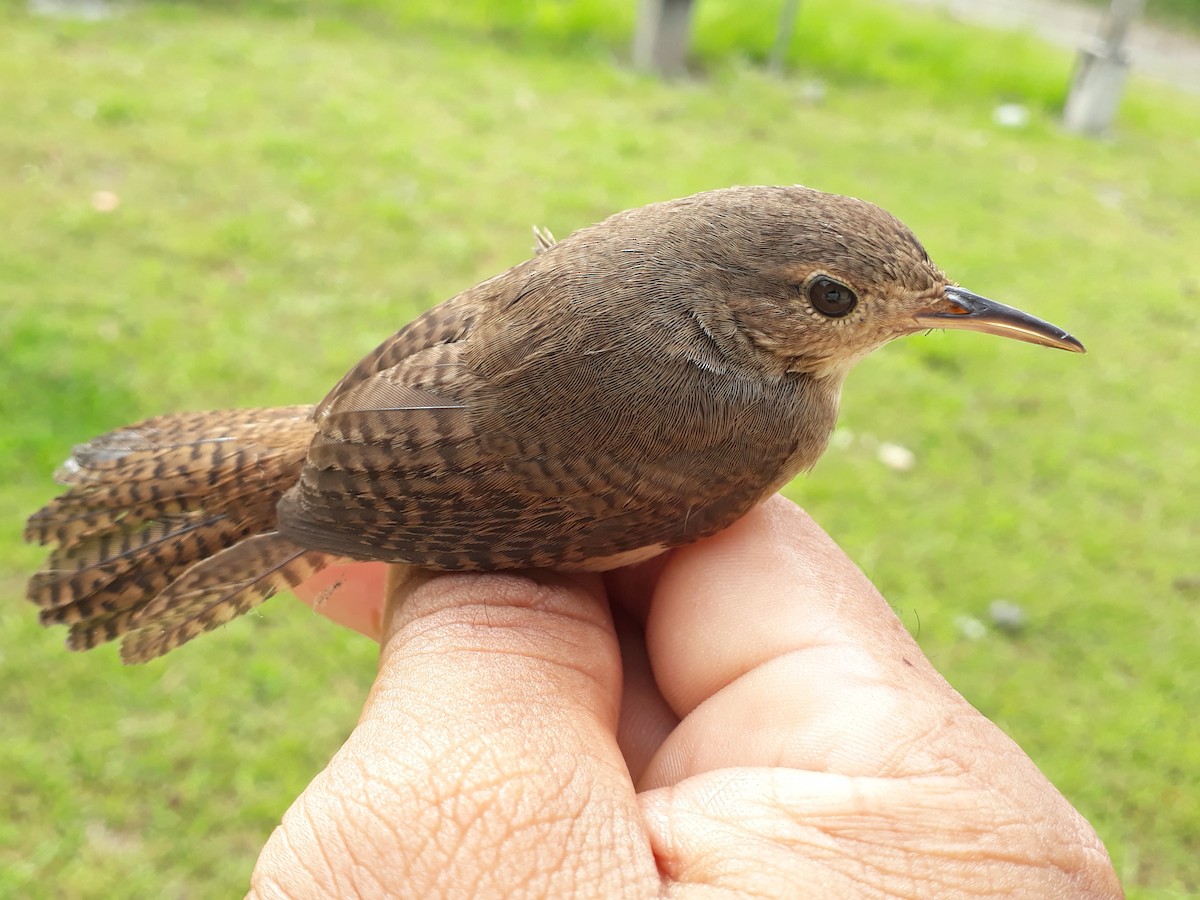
(1155, 52)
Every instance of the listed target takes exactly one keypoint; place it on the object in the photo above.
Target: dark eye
(830, 298)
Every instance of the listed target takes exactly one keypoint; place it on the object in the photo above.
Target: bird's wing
(447, 323)
(544, 440)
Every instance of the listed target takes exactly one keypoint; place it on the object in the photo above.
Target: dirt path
(1155, 52)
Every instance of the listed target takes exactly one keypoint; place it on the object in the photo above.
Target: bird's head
(819, 280)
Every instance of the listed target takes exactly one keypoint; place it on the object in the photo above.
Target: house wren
(637, 386)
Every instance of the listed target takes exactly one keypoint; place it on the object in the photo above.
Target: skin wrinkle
(329, 830)
(857, 848)
(487, 615)
(365, 801)
(856, 852)
(289, 851)
(417, 620)
(469, 811)
(917, 755)
(781, 655)
(851, 866)
(850, 845)
(728, 861)
(490, 623)
(359, 857)
(314, 826)
(537, 827)
(821, 843)
(582, 830)
(405, 763)
(554, 855)
(842, 862)
(570, 660)
(464, 803)
(710, 856)
(421, 782)
(450, 841)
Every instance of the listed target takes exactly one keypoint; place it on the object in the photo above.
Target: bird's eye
(830, 298)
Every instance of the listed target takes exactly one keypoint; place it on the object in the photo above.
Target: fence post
(1100, 73)
(660, 40)
(783, 37)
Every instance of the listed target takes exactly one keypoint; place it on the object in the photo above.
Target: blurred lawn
(295, 180)
(1185, 13)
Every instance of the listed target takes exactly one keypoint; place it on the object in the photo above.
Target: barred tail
(168, 530)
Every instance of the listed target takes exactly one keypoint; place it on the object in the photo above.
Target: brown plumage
(636, 386)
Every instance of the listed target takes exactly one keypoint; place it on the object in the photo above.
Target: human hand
(743, 715)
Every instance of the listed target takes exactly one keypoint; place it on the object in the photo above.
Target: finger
(486, 754)
(872, 771)
(645, 719)
(350, 593)
(776, 650)
(771, 584)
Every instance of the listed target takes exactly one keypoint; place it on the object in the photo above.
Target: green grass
(296, 181)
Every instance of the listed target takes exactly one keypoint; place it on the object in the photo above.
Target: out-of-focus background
(207, 204)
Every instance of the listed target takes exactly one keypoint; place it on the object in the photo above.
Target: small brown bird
(637, 386)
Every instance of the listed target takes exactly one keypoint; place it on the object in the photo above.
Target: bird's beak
(971, 312)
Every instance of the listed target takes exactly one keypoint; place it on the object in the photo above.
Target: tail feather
(65, 523)
(120, 540)
(170, 465)
(99, 630)
(167, 528)
(80, 514)
(137, 446)
(115, 581)
(207, 596)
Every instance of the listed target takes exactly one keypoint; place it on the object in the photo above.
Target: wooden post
(660, 41)
(1100, 73)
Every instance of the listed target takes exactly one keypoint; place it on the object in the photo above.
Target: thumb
(486, 754)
